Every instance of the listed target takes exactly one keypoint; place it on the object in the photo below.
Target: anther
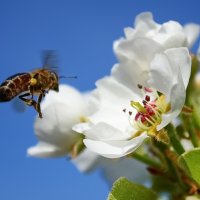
(147, 98)
(139, 86)
(148, 89)
(144, 102)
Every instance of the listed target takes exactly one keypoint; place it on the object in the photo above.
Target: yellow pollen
(83, 119)
(33, 81)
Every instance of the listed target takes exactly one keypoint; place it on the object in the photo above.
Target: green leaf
(190, 162)
(123, 189)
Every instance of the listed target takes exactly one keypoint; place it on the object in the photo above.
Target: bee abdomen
(13, 86)
(6, 94)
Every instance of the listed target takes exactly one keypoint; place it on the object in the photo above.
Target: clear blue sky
(82, 32)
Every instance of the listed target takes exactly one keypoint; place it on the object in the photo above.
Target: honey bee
(26, 85)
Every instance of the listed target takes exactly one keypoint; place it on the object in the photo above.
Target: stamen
(147, 98)
(148, 89)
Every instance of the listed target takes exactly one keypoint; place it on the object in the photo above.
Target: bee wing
(50, 60)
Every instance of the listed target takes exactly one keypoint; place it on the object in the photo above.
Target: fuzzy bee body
(37, 82)
(13, 86)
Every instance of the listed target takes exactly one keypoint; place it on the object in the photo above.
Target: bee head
(56, 84)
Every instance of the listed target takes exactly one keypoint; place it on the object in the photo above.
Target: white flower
(170, 34)
(133, 170)
(150, 83)
(112, 169)
(144, 62)
(61, 110)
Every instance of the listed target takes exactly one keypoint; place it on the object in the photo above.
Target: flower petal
(166, 67)
(45, 150)
(86, 161)
(127, 167)
(55, 126)
(143, 23)
(115, 149)
(68, 95)
(114, 97)
(135, 56)
(105, 132)
(177, 99)
(192, 31)
(180, 58)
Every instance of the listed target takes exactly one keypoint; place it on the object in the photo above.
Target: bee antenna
(68, 77)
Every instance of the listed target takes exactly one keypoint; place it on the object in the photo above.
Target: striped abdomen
(13, 86)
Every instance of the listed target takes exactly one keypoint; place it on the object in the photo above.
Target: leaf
(190, 162)
(123, 189)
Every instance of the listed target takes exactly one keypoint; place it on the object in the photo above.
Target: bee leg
(43, 92)
(37, 105)
(28, 102)
(32, 102)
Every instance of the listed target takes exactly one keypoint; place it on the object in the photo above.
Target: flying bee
(26, 85)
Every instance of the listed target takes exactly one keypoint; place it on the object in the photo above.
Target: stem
(173, 171)
(147, 160)
(190, 127)
(192, 133)
(175, 142)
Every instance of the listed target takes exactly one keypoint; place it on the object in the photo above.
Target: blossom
(145, 62)
(112, 169)
(169, 34)
(61, 110)
(149, 84)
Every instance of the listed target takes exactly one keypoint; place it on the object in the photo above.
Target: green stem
(194, 138)
(190, 124)
(146, 160)
(175, 142)
(173, 171)
(176, 173)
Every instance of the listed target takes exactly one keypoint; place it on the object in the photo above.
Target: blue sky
(82, 32)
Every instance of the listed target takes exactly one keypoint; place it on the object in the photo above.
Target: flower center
(149, 112)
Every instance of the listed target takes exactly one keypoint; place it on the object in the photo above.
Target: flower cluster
(135, 106)
(149, 82)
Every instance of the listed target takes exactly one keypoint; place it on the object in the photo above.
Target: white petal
(180, 58)
(141, 50)
(45, 150)
(169, 35)
(165, 70)
(104, 132)
(56, 125)
(192, 32)
(136, 56)
(177, 99)
(114, 97)
(145, 18)
(130, 168)
(143, 23)
(115, 149)
(67, 95)
(161, 74)
(167, 118)
(82, 127)
(86, 161)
